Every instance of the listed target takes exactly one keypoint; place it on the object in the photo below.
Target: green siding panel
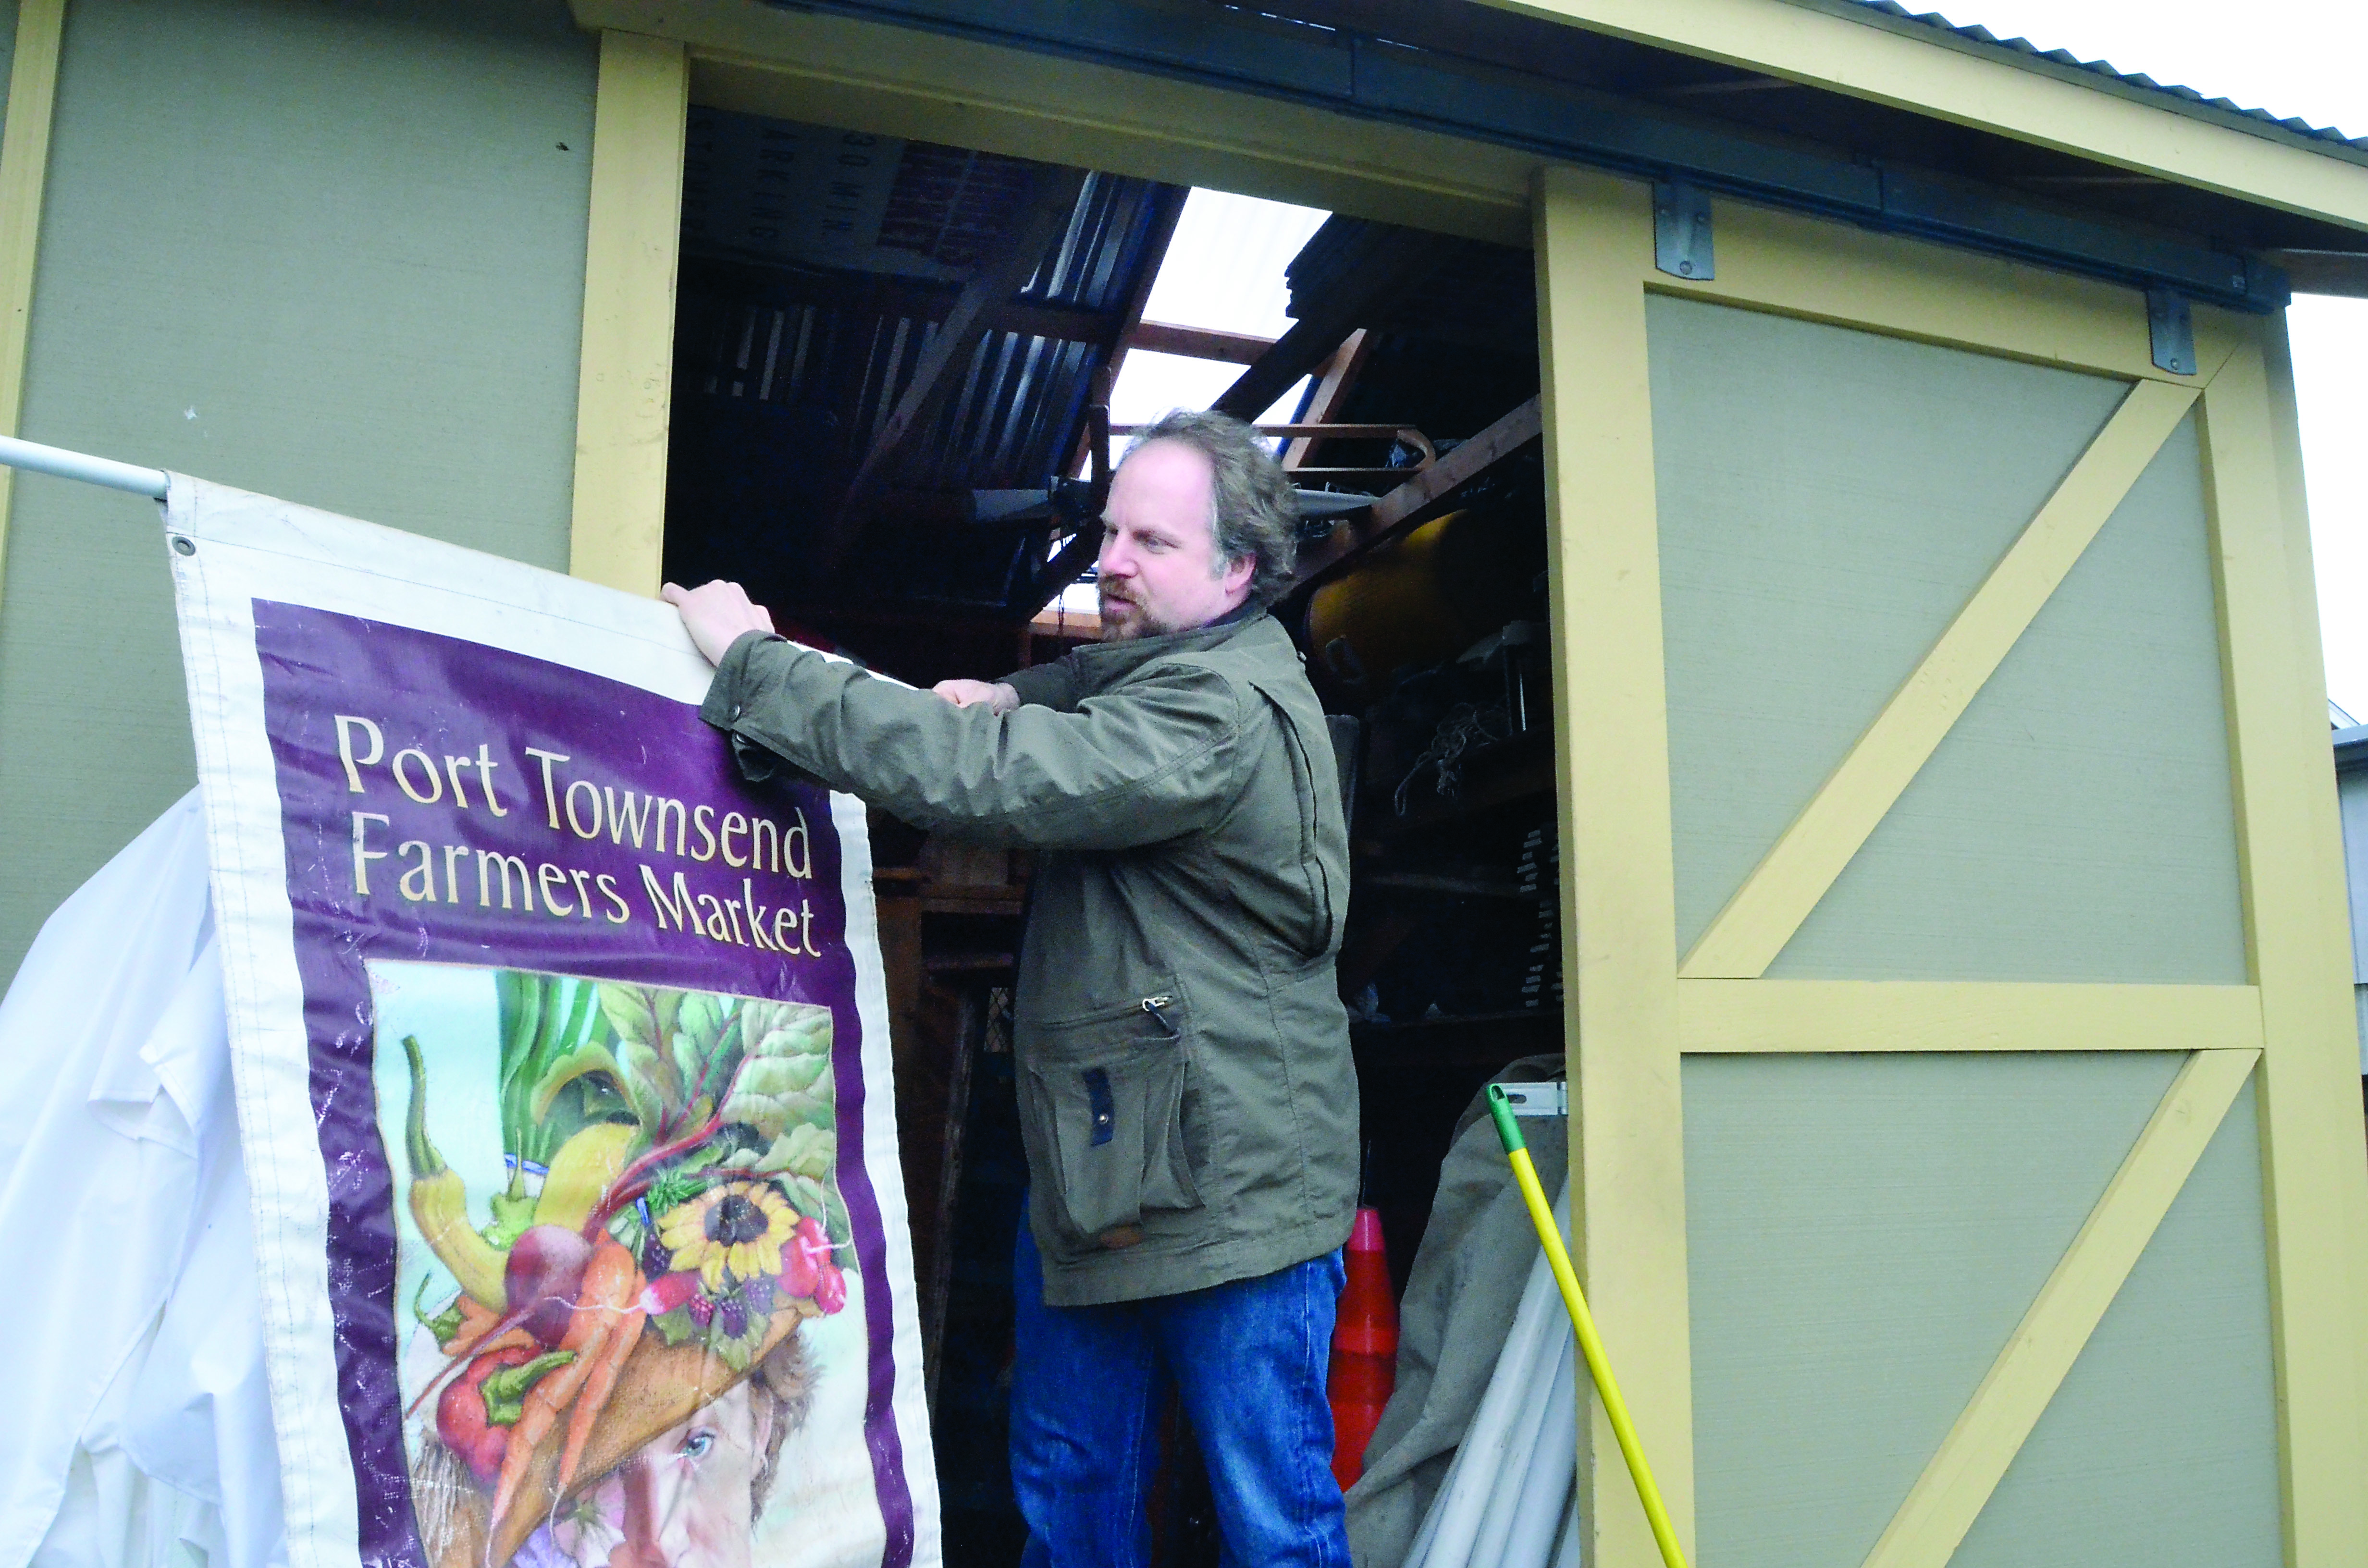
(328, 252)
(2161, 1445)
(2079, 822)
(1829, 500)
(1862, 1234)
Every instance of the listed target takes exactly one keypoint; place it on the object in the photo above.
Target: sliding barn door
(1967, 1140)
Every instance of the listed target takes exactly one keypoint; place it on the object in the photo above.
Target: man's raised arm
(1151, 765)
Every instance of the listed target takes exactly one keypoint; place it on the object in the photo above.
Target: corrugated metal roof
(818, 266)
(2187, 98)
(789, 334)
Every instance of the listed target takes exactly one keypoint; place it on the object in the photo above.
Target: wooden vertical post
(1594, 244)
(2314, 1180)
(626, 380)
(24, 169)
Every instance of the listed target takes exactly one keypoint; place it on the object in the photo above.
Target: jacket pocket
(1103, 1099)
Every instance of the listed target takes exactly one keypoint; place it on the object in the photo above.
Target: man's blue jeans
(1249, 1360)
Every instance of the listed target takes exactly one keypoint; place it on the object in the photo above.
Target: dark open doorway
(895, 369)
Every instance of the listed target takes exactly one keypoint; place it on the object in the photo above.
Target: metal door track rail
(1373, 79)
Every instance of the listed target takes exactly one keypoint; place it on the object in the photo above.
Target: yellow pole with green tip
(1591, 1344)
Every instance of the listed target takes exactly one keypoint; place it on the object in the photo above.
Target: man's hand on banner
(994, 696)
(717, 615)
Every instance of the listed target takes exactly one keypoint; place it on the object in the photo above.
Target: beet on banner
(562, 1065)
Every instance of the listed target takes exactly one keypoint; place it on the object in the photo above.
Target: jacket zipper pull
(1152, 1004)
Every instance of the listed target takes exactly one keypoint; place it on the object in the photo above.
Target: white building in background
(2352, 791)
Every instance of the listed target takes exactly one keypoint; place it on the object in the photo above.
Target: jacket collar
(1101, 665)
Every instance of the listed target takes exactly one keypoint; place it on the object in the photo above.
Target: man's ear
(1238, 573)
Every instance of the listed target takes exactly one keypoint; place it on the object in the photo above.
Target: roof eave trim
(2169, 99)
(1866, 53)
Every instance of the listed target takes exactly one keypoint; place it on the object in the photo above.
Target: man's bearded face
(1159, 570)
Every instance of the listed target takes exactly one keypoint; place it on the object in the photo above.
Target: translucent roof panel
(1223, 272)
(1224, 266)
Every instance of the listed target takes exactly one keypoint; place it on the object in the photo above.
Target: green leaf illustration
(807, 1196)
(786, 1079)
(644, 1017)
(840, 1229)
(703, 1031)
(804, 1150)
(552, 1036)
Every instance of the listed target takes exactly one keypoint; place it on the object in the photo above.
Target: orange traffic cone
(1365, 1348)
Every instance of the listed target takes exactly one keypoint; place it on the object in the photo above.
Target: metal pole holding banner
(34, 458)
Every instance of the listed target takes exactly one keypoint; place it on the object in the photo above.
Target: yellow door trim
(625, 378)
(2298, 1012)
(1790, 263)
(2315, 1184)
(24, 169)
(1785, 886)
(1812, 1016)
(1627, 1128)
(1961, 1475)
(1940, 75)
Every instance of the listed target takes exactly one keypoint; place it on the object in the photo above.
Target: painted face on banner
(687, 1499)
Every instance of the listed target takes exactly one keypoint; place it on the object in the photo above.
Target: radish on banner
(561, 1057)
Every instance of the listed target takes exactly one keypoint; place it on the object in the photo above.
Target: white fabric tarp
(1480, 1256)
(143, 1422)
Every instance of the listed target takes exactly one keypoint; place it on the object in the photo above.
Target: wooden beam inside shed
(1419, 497)
(1066, 323)
(2343, 273)
(1163, 219)
(1092, 454)
(1197, 342)
(1332, 389)
(1724, 89)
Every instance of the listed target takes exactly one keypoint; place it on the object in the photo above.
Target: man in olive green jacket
(1187, 1101)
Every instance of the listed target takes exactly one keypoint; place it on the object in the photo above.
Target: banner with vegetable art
(560, 1054)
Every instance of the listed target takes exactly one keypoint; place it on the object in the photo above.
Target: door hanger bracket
(2172, 326)
(1681, 230)
(1549, 1099)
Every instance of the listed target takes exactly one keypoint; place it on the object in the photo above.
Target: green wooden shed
(1966, 1135)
